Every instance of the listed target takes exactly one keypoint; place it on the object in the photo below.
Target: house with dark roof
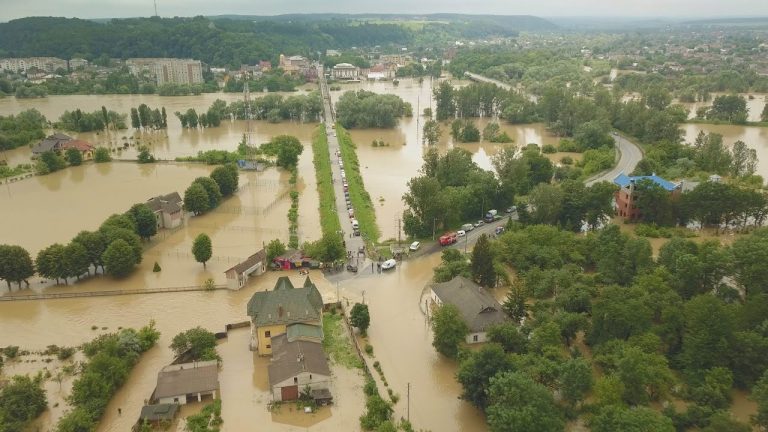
(187, 382)
(626, 196)
(51, 143)
(168, 210)
(478, 308)
(254, 265)
(298, 365)
(157, 415)
(272, 312)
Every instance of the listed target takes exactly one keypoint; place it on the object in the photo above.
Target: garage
(289, 393)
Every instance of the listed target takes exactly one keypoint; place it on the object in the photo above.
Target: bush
(11, 351)
(65, 353)
(548, 148)
(369, 349)
(567, 145)
(566, 160)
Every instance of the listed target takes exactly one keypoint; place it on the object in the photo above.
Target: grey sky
(11, 9)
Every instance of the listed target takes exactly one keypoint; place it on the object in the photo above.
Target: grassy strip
(337, 344)
(361, 200)
(329, 218)
(293, 212)
(723, 122)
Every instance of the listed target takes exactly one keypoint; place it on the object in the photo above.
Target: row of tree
(688, 325)
(144, 117)
(21, 129)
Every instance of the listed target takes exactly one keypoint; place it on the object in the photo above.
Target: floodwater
(754, 105)
(755, 137)
(386, 170)
(244, 394)
(402, 342)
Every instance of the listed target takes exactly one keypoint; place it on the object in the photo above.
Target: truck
(448, 239)
(491, 215)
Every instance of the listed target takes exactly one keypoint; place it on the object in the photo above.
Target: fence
(108, 293)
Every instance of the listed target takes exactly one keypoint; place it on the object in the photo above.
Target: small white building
(296, 366)
(345, 71)
(479, 309)
(254, 265)
(187, 382)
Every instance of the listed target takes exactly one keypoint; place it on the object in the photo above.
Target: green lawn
(337, 344)
(361, 200)
(329, 218)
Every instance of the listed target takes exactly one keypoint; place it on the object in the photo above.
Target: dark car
(352, 268)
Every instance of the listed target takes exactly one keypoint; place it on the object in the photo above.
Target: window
(267, 333)
(268, 346)
(295, 380)
(474, 338)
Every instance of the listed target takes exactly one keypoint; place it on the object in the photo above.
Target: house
(254, 265)
(479, 309)
(345, 71)
(626, 196)
(167, 209)
(187, 382)
(85, 148)
(157, 415)
(265, 65)
(297, 366)
(272, 312)
(293, 65)
(51, 143)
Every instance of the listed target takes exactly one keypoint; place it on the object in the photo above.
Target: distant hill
(235, 39)
(730, 22)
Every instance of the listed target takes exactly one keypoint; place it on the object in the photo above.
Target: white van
(467, 227)
(355, 224)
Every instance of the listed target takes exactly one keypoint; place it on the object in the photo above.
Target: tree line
(687, 325)
(365, 109)
(21, 129)
(144, 117)
(99, 120)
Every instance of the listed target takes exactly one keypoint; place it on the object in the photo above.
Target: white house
(254, 265)
(296, 366)
(345, 71)
(479, 309)
(187, 382)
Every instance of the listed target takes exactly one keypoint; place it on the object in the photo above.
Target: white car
(415, 246)
(388, 264)
(461, 233)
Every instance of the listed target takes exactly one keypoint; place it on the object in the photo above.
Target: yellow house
(273, 312)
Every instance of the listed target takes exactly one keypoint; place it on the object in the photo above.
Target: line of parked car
(450, 238)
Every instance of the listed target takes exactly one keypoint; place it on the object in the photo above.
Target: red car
(448, 239)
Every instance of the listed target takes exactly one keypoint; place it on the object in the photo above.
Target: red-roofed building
(85, 148)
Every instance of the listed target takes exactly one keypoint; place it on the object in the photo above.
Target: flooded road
(402, 342)
(387, 170)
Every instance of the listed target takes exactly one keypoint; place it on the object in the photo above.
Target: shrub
(548, 148)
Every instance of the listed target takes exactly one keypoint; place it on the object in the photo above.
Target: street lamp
(434, 220)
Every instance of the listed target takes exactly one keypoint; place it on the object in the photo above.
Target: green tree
(77, 262)
(15, 265)
(592, 135)
(201, 248)
(744, 160)
(227, 178)
(196, 199)
(715, 390)
(50, 262)
(516, 403)
(750, 255)
(510, 338)
(287, 148)
(449, 330)
(129, 236)
(212, 190)
(514, 305)
(431, 132)
(95, 243)
(22, 400)
(764, 114)
(74, 157)
(359, 317)
(639, 419)
(709, 326)
(453, 264)
(645, 376)
(445, 108)
(760, 396)
(119, 258)
(145, 156)
(711, 154)
(722, 421)
(49, 162)
(135, 122)
(101, 155)
(197, 343)
(274, 249)
(731, 108)
(477, 369)
(482, 263)
(144, 219)
(119, 221)
(575, 380)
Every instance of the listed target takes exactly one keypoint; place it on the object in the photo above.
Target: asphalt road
(629, 156)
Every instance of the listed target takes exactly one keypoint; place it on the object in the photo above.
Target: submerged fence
(108, 293)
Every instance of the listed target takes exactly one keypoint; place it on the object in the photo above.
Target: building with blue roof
(626, 196)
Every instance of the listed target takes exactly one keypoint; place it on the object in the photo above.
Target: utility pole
(433, 228)
(156, 8)
(409, 403)
(363, 296)
(418, 118)
(398, 232)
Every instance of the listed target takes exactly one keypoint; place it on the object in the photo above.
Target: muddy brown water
(755, 137)
(754, 106)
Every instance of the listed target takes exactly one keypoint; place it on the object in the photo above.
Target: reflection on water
(755, 138)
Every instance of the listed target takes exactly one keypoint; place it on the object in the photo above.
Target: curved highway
(629, 156)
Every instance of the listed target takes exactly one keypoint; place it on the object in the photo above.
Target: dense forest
(221, 41)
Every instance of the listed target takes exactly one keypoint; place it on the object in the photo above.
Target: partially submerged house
(478, 308)
(51, 143)
(273, 312)
(157, 415)
(297, 366)
(626, 196)
(187, 382)
(254, 265)
(168, 210)
(85, 148)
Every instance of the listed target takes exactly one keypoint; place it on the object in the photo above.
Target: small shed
(158, 414)
(254, 265)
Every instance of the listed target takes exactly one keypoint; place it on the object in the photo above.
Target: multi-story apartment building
(168, 70)
(21, 65)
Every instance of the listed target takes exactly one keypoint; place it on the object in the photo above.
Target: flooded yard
(755, 137)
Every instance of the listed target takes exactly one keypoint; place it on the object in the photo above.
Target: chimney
(280, 311)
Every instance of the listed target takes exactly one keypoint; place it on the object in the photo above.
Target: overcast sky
(11, 9)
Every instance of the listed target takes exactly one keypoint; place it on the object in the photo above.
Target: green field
(361, 200)
(329, 218)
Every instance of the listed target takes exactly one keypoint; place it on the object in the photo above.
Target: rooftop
(258, 257)
(198, 377)
(292, 358)
(300, 330)
(624, 180)
(169, 203)
(159, 412)
(478, 308)
(286, 304)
